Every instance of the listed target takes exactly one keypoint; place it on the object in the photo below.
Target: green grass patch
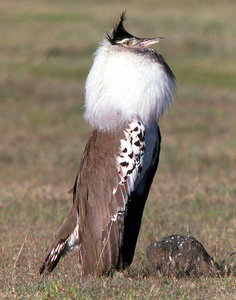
(206, 77)
(47, 17)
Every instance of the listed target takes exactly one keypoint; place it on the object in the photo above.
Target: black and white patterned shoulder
(132, 148)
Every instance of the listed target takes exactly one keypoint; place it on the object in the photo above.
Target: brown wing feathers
(99, 236)
(105, 179)
(99, 230)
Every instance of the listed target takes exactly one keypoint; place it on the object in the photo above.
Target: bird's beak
(151, 41)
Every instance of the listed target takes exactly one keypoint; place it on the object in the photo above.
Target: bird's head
(128, 79)
(121, 37)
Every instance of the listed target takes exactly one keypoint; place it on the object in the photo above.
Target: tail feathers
(66, 238)
(54, 256)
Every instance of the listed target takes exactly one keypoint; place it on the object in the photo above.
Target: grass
(45, 56)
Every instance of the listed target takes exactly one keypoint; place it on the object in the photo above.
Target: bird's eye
(127, 42)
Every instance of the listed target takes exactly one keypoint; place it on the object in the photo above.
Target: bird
(128, 88)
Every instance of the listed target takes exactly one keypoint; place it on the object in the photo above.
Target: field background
(46, 51)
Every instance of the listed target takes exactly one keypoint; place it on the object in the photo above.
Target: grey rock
(179, 255)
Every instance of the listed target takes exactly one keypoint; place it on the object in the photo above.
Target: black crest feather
(119, 32)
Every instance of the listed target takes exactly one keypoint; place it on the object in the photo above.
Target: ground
(46, 53)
